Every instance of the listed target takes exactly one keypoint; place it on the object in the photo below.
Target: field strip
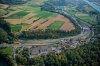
(81, 15)
(12, 13)
(13, 21)
(37, 23)
(45, 25)
(30, 21)
(67, 26)
(28, 16)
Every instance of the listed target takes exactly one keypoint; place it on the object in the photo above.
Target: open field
(83, 16)
(87, 19)
(18, 14)
(14, 21)
(56, 25)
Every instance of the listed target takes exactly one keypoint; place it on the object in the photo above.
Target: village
(44, 49)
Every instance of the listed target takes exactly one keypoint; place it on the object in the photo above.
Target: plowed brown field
(13, 21)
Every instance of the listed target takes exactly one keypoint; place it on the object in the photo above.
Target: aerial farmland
(49, 33)
(23, 18)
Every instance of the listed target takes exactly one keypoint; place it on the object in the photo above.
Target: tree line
(47, 34)
(6, 34)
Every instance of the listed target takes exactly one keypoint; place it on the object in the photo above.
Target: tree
(3, 35)
(21, 59)
(5, 26)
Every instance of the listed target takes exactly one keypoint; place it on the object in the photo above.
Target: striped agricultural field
(37, 23)
(30, 15)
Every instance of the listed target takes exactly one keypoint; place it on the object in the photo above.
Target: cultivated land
(56, 25)
(82, 16)
(24, 18)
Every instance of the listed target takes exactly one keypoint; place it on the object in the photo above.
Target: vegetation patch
(25, 27)
(1, 14)
(44, 14)
(7, 50)
(56, 25)
(85, 18)
(16, 28)
(72, 13)
(19, 15)
(32, 9)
